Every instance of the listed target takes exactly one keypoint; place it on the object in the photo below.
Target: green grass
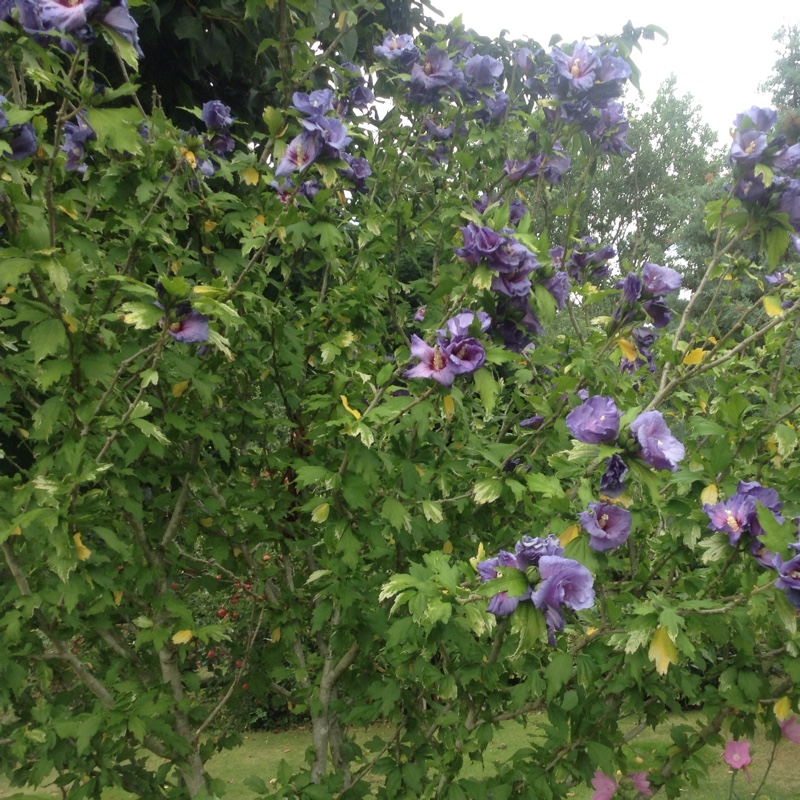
(261, 753)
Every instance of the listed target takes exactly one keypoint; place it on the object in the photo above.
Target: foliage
(240, 460)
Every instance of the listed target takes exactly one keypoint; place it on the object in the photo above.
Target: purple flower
(437, 133)
(516, 211)
(787, 160)
(762, 119)
(358, 170)
(332, 133)
(433, 362)
(398, 47)
(501, 604)
(595, 422)
(23, 141)
(659, 448)
(465, 355)
(612, 482)
(658, 280)
(608, 526)
(531, 549)
(190, 329)
(514, 283)
(460, 324)
(790, 202)
(611, 130)
(532, 423)
(483, 70)
(767, 497)
(66, 16)
(76, 133)
(216, 115)
(658, 311)
(479, 243)
(301, 152)
(564, 582)
(577, 70)
(436, 72)
(788, 571)
(631, 288)
(119, 19)
(316, 104)
(558, 286)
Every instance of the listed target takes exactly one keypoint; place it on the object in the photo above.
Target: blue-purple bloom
(608, 526)
(596, 421)
(398, 47)
(658, 447)
(532, 423)
(576, 69)
(461, 323)
(436, 72)
(483, 70)
(789, 576)
(300, 152)
(22, 141)
(76, 133)
(190, 329)
(658, 281)
(612, 481)
(658, 311)
(731, 516)
(558, 286)
(315, 104)
(446, 359)
(216, 114)
(564, 583)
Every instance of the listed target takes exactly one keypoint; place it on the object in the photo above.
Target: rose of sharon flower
(608, 526)
(659, 448)
(731, 516)
(604, 787)
(595, 422)
(658, 280)
(612, 482)
(564, 582)
(190, 329)
(501, 604)
(790, 728)
(737, 755)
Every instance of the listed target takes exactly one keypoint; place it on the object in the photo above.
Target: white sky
(719, 52)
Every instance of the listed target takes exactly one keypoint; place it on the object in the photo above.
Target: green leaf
(777, 240)
(125, 48)
(509, 579)
(487, 491)
(117, 128)
(47, 338)
(488, 388)
(432, 511)
(529, 624)
(778, 535)
(546, 485)
(142, 316)
(557, 673)
(395, 513)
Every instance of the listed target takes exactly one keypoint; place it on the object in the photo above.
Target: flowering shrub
(289, 393)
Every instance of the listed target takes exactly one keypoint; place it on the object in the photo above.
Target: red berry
(239, 664)
(247, 587)
(212, 653)
(222, 613)
(244, 686)
(235, 615)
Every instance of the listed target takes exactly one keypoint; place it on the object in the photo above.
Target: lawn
(261, 753)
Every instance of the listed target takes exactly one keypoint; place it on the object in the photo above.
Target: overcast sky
(719, 53)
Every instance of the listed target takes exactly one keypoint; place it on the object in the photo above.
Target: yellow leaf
(449, 406)
(591, 631)
(179, 388)
(71, 323)
(694, 357)
(207, 522)
(710, 495)
(568, 535)
(480, 557)
(83, 551)
(17, 531)
(447, 547)
(250, 176)
(783, 709)
(663, 651)
(237, 551)
(207, 251)
(182, 637)
(627, 348)
(69, 212)
(320, 513)
(117, 598)
(209, 225)
(419, 470)
(191, 160)
(356, 414)
(175, 267)
(276, 634)
(772, 305)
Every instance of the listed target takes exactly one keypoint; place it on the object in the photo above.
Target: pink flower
(790, 728)
(640, 783)
(737, 755)
(604, 787)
